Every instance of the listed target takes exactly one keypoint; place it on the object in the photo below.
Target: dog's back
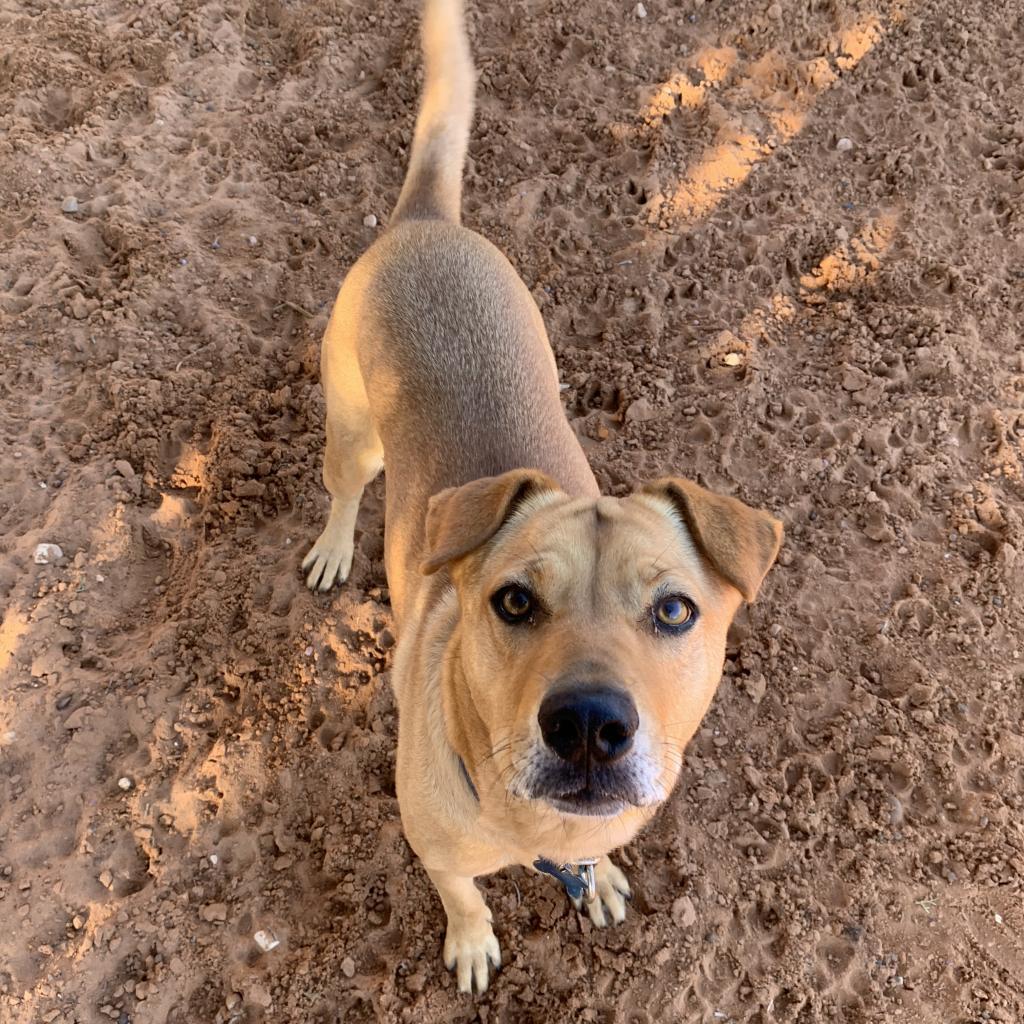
(448, 337)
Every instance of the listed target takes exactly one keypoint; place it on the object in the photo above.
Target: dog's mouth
(601, 793)
(588, 803)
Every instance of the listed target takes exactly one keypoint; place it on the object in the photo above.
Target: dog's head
(592, 632)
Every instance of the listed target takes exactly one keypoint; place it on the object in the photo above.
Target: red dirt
(830, 331)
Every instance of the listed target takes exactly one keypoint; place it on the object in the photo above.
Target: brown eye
(674, 613)
(513, 604)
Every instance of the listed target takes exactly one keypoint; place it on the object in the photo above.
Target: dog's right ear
(462, 519)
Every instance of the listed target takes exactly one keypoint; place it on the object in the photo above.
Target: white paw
(329, 560)
(470, 949)
(612, 893)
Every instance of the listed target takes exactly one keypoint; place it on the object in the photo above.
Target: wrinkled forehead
(587, 542)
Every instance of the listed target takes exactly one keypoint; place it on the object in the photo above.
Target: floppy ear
(462, 519)
(740, 542)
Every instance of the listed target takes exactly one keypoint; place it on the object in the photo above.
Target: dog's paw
(470, 950)
(329, 560)
(612, 893)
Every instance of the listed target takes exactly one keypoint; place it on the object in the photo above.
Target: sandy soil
(828, 328)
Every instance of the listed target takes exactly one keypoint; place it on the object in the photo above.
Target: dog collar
(578, 878)
(468, 780)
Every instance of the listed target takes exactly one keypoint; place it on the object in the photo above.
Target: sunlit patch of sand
(722, 169)
(191, 470)
(724, 166)
(12, 629)
(681, 89)
(852, 262)
(173, 511)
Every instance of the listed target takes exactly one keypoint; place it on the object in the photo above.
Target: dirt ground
(779, 246)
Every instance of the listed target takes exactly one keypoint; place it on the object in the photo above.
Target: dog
(556, 648)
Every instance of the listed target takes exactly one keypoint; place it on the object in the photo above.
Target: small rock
(77, 717)
(843, 145)
(253, 240)
(416, 982)
(106, 878)
(260, 996)
(266, 940)
(731, 359)
(124, 783)
(640, 411)
(214, 912)
(641, 11)
(46, 553)
(370, 221)
(683, 913)
(70, 204)
(854, 378)
(348, 967)
(63, 702)
(756, 686)
(775, 12)
(124, 467)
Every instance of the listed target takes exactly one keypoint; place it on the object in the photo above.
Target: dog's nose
(596, 723)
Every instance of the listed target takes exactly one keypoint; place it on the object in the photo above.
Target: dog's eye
(514, 604)
(674, 613)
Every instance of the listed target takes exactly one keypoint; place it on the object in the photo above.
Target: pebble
(641, 11)
(683, 913)
(64, 701)
(731, 359)
(46, 553)
(214, 912)
(348, 967)
(124, 783)
(70, 204)
(266, 940)
(124, 467)
(106, 878)
(253, 240)
(843, 145)
(370, 221)
(259, 995)
(640, 411)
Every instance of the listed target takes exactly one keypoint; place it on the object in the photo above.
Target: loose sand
(827, 328)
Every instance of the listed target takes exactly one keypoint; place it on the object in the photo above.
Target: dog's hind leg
(353, 457)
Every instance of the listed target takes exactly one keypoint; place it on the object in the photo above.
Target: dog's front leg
(612, 893)
(470, 947)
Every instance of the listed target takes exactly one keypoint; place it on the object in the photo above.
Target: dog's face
(592, 632)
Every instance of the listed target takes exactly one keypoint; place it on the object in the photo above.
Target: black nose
(596, 723)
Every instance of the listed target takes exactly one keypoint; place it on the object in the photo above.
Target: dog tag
(578, 887)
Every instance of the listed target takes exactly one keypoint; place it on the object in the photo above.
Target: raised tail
(433, 183)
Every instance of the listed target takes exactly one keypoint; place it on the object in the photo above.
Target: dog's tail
(433, 183)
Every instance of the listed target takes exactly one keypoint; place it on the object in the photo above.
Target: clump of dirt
(778, 248)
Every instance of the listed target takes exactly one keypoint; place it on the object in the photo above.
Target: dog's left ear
(462, 519)
(740, 542)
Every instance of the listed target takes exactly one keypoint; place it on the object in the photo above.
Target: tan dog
(557, 648)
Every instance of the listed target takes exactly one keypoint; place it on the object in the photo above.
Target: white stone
(46, 553)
